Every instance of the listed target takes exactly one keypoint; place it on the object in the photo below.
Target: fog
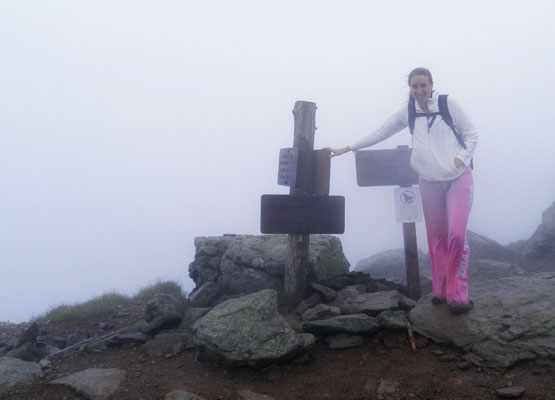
(131, 127)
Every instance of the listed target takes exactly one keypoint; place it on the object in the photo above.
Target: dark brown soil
(384, 367)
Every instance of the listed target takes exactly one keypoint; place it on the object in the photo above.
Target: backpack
(445, 115)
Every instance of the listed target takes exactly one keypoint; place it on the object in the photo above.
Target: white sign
(287, 169)
(408, 204)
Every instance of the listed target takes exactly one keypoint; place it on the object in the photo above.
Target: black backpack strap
(446, 116)
(412, 115)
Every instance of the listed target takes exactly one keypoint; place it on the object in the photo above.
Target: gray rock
(369, 303)
(29, 352)
(94, 383)
(248, 395)
(249, 331)
(171, 342)
(407, 304)
(191, 315)
(491, 269)
(328, 293)
(343, 341)
(127, 338)
(14, 372)
(513, 392)
(393, 320)
(182, 395)
(307, 303)
(242, 264)
(163, 311)
(205, 294)
(360, 324)
(542, 243)
(321, 311)
(512, 321)
(391, 264)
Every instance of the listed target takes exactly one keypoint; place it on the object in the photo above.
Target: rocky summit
(512, 321)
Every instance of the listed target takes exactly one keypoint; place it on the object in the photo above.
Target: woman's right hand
(337, 152)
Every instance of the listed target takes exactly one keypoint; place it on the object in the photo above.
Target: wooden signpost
(392, 167)
(308, 208)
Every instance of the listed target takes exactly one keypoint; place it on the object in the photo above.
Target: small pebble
(464, 365)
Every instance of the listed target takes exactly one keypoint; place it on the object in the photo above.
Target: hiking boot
(461, 308)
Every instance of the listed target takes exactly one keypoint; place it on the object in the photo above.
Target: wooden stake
(297, 266)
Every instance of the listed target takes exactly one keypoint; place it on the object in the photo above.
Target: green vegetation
(146, 293)
(108, 303)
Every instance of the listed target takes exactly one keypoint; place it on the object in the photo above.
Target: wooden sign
(385, 167)
(288, 166)
(302, 214)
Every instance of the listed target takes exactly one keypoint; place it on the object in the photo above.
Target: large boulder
(390, 264)
(542, 243)
(242, 264)
(249, 331)
(488, 260)
(94, 383)
(163, 311)
(14, 371)
(512, 321)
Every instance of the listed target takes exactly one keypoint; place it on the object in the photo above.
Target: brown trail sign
(392, 167)
(308, 208)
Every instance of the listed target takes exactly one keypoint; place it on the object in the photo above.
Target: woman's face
(420, 89)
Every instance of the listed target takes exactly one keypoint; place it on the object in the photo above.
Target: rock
(76, 337)
(29, 352)
(421, 342)
(482, 247)
(182, 395)
(321, 311)
(344, 341)
(512, 321)
(369, 303)
(249, 331)
(205, 295)
(387, 387)
(307, 303)
(127, 338)
(542, 243)
(513, 392)
(464, 365)
(94, 383)
(391, 264)
(163, 311)
(393, 320)
(407, 304)
(242, 264)
(490, 269)
(15, 372)
(360, 324)
(29, 335)
(328, 293)
(171, 342)
(248, 395)
(191, 315)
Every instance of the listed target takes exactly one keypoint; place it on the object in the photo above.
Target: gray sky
(130, 127)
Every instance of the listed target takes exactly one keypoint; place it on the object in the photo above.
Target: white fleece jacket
(434, 149)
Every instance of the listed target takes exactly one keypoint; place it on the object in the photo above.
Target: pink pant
(446, 209)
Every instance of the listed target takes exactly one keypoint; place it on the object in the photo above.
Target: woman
(443, 164)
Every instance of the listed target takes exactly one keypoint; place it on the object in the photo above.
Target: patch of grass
(169, 287)
(108, 303)
(97, 306)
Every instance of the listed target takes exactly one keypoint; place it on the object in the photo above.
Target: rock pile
(235, 265)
